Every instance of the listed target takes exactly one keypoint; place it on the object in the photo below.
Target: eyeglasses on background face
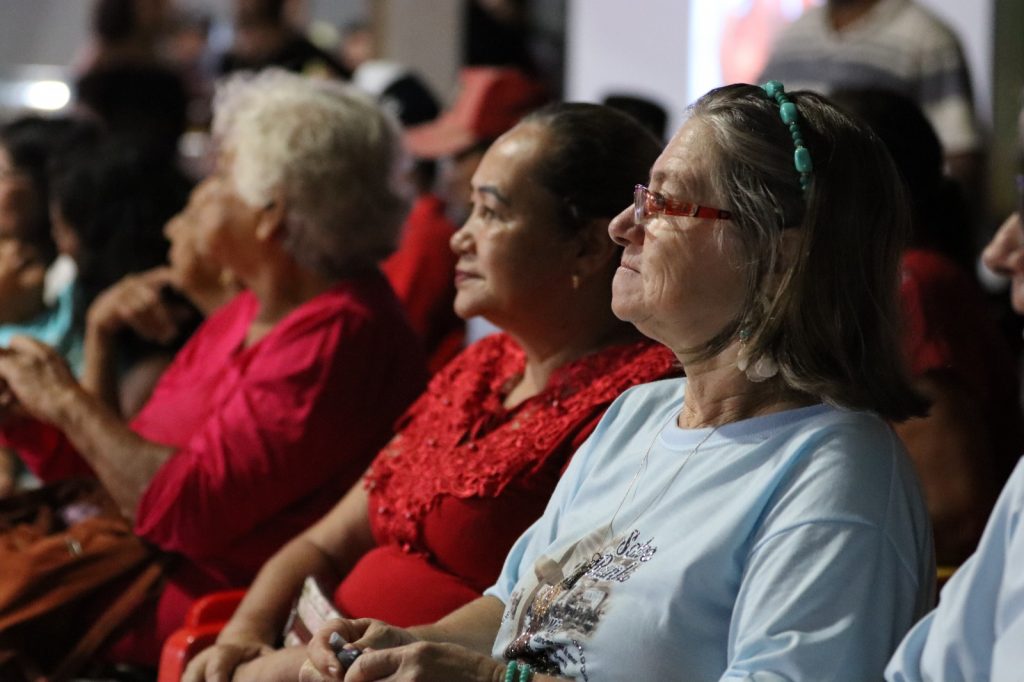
(647, 204)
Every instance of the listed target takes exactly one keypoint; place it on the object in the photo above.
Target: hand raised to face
(136, 302)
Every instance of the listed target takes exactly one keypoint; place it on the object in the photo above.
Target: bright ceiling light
(47, 95)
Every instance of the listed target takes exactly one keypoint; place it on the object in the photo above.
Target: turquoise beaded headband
(789, 114)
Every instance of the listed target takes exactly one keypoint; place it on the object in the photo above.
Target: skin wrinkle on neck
(718, 393)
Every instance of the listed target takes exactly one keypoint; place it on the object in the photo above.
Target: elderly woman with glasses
(758, 519)
(280, 399)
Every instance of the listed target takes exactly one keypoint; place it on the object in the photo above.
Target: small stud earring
(575, 282)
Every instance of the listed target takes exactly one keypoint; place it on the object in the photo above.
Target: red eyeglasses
(647, 204)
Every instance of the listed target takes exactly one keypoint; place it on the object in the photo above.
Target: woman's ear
(271, 220)
(595, 250)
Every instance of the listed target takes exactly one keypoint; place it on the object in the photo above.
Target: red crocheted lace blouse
(465, 476)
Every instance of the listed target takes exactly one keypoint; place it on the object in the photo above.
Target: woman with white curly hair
(277, 404)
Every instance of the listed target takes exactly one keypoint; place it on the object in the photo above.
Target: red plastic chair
(204, 621)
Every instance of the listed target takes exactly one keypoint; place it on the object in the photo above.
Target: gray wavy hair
(333, 154)
(833, 322)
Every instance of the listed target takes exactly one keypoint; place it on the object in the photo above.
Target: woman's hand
(38, 378)
(135, 302)
(219, 662)
(424, 662)
(361, 634)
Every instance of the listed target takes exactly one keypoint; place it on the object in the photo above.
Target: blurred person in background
(277, 403)
(976, 631)
(109, 205)
(421, 270)
(27, 248)
(265, 36)
(357, 45)
(109, 202)
(125, 83)
(898, 45)
(124, 32)
(187, 48)
(490, 101)
(967, 445)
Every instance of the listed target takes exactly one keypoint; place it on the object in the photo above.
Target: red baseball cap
(491, 100)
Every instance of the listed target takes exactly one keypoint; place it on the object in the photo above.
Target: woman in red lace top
(477, 456)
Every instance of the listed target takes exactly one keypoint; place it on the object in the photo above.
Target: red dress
(422, 273)
(465, 476)
(268, 437)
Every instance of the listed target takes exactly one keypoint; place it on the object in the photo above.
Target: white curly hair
(329, 150)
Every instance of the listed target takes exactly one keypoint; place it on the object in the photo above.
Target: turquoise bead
(772, 87)
(788, 113)
(802, 160)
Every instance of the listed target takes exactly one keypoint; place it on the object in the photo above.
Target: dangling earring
(743, 356)
(762, 369)
(575, 282)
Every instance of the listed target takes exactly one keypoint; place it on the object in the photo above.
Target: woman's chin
(466, 309)
(623, 308)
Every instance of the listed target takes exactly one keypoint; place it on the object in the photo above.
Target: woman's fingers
(361, 634)
(32, 347)
(36, 376)
(424, 662)
(309, 673)
(219, 662)
(376, 665)
(151, 319)
(136, 301)
(322, 651)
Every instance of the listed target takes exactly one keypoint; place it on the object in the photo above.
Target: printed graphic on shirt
(558, 611)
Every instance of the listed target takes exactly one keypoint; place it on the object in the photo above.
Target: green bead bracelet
(516, 671)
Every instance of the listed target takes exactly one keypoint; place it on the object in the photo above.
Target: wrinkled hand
(37, 377)
(135, 302)
(362, 634)
(425, 662)
(219, 662)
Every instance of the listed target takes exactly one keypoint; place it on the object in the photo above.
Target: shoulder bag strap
(123, 607)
